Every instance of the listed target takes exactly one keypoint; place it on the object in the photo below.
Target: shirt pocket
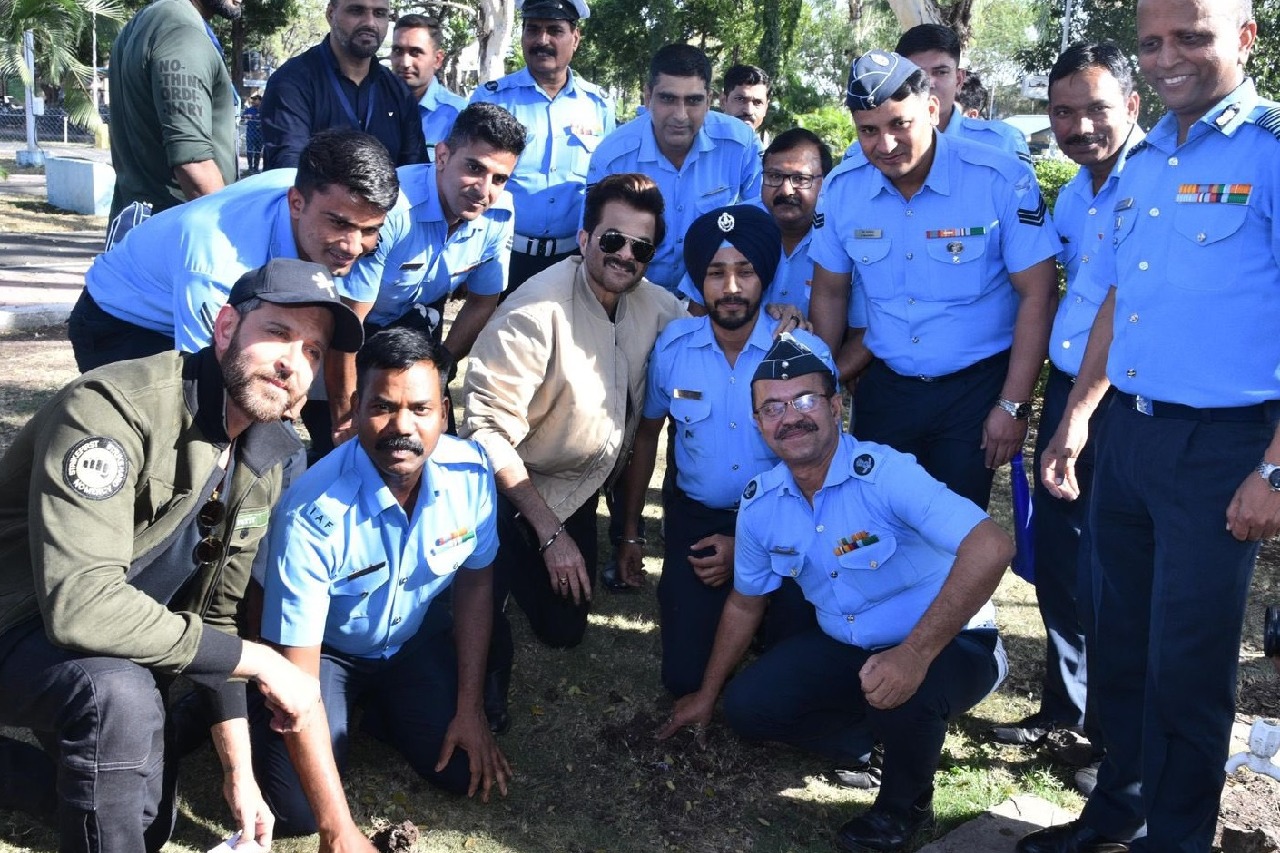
(693, 426)
(444, 560)
(714, 197)
(578, 150)
(871, 574)
(871, 264)
(1203, 226)
(956, 272)
(353, 599)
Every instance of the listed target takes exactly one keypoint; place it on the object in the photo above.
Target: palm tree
(59, 28)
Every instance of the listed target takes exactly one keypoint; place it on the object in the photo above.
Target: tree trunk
(495, 26)
(957, 15)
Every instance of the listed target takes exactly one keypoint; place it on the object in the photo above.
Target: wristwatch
(1017, 411)
(1270, 473)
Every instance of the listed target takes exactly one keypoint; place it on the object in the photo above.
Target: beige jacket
(554, 383)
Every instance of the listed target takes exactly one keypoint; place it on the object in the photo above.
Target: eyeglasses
(805, 403)
(799, 180)
(209, 548)
(611, 243)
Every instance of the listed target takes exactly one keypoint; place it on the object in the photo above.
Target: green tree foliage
(62, 30)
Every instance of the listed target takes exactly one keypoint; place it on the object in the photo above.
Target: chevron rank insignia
(1033, 217)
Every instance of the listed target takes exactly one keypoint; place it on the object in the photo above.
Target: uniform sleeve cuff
(216, 658)
(228, 702)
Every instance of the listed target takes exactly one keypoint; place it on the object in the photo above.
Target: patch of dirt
(396, 838)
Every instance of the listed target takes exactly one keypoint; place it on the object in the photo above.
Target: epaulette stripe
(1033, 217)
(1270, 121)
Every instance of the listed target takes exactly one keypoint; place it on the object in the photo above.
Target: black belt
(981, 364)
(1259, 413)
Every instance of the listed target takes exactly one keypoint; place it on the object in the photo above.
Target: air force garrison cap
(795, 354)
(747, 228)
(554, 10)
(875, 77)
(286, 281)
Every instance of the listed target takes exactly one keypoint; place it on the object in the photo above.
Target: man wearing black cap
(956, 275)
(131, 508)
(900, 571)
(698, 377)
(566, 117)
(554, 392)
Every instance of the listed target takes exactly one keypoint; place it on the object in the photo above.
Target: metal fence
(53, 126)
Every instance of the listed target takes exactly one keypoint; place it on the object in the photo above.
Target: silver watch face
(1274, 479)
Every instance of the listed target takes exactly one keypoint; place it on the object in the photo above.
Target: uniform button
(795, 572)
(1155, 211)
(911, 300)
(553, 168)
(1093, 211)
(848, 617)
(403, 581)
(1066, 344)
(732, 379)
(875, 564)
(733, 426)
(1200, 238)
(910, 212)
(1143, 265)
(680, 208)
(1133, 318)
(865, 259)
(1079, 299)
(955, 259)
(1131, 373)
(1085, 259)
(835, 574)
(910, 256)
(1173, 161)
(687, 419)
(364, 595)
(735, 467)
(915, 340)
(821, 527)
(395, 621)
(679, 239)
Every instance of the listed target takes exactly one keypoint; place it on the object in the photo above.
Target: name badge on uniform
(718, 189)
(868, 234)
(1214, 193)
(1124, 204)
(685, 394)
(784, 551)
(412, 266)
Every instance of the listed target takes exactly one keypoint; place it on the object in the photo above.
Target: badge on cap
(322, 281)
(879, 59)
(95, 467)
(725, 223)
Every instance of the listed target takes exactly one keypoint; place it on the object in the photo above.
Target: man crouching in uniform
(900, 570)
(131, 507)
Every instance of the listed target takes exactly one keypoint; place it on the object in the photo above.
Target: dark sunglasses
(611, 242)
(209, 548)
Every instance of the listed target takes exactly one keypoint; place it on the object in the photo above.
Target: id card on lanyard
(346, 105)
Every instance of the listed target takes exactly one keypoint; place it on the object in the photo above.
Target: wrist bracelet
(634, 540)
(554, 537)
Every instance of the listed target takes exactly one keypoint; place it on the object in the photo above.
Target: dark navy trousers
(1171, 597)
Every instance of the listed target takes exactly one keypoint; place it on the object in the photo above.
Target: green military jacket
(101, 481)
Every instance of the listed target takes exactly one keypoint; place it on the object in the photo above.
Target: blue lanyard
(346, 105)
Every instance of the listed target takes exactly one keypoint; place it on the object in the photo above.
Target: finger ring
(563, 581)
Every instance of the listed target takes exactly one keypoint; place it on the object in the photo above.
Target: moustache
(544, 51)
(1086, 139)
(792, 200)
(365, 31)
(731, 300)
(797, 427)
(625, 266)
(400, 442)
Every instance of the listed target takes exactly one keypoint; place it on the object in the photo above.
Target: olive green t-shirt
(172, 103)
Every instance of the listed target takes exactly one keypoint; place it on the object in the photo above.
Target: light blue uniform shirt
(561, 133)
(722, 168)
(1196, 261)
(418, 261)
(173, 273)
(870, 596)
(347, 567)
(437, 108)
(934, 270)
(1083, 221)
(718, 448)
(997, 134)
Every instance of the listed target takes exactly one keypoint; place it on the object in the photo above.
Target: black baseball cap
(288, 281)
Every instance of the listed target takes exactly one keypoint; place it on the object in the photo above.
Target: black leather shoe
(880, 830)
(1073, 837)
(496, 685)
(1026, 732)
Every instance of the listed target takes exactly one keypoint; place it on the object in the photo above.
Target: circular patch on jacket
(750, 491)
(863, 464)
(95, 468)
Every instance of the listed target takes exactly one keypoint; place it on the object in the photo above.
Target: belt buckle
(924, 378)
(1143, 404)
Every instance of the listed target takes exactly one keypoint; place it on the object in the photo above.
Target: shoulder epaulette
(1267, 118)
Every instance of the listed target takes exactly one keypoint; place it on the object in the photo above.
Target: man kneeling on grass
(900, 570)
(359, 548)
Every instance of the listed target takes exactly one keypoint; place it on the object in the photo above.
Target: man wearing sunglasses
(900, 571)
(698, 378)
(131, 508)
(554, 392)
